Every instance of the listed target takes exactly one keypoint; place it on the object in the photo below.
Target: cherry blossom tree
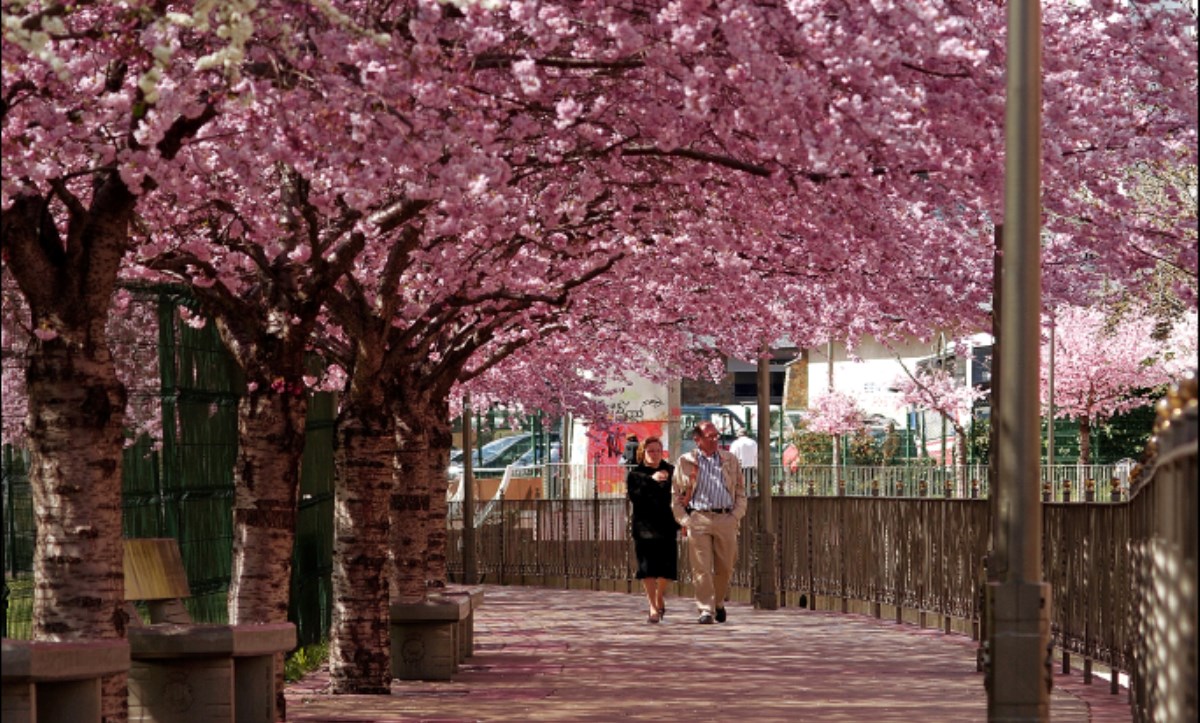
(94, 115)
(1103, 365)
(1179, 348)
(746, 170)
(936, 389)
(834, 413)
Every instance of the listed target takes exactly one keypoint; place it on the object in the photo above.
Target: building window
(745, 386)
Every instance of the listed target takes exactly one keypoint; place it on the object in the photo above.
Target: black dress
(653, 526)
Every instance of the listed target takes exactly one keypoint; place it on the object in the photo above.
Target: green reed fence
(182, 485)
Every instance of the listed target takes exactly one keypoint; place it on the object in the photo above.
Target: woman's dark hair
(641, 453)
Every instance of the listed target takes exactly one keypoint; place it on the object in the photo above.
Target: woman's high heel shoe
(653, 617)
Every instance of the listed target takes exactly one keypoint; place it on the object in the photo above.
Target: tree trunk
(1085, 440)
(419, 507)
(960, 469)
(440, 440)
(76, 434)
(271, 437)
(76, 414)
(359, 652)
(408, 539)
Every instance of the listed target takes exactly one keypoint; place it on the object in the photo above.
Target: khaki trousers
(712, 549)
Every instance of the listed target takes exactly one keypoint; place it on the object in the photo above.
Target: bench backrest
(154, 574)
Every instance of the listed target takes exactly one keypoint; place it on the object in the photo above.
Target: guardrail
(1060, 483)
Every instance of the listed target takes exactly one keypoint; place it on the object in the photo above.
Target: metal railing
(1060, 483)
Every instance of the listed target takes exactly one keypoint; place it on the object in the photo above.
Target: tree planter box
(425, 637)
(196, 672)
(57, 682)
(466, 638)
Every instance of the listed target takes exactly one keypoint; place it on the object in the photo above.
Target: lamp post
(1018, 602)
(1050, 400)
(766, 595)
(468, 503)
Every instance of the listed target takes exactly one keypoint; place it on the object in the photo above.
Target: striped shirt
(711, 493)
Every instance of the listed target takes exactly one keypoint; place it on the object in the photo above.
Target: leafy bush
(305, 660)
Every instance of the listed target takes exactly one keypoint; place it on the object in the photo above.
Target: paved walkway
(554, 655)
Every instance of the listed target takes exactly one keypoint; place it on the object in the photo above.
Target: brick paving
(559, 655)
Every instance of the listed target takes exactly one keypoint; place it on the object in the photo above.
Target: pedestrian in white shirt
(746, 451)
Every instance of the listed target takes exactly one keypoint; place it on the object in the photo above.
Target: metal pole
(470, 566)
(767, 595)
(836, 438)
(1050, 393)
(996, 564)
(942, 360)
(674, 443)
(4, 546)
(1019, 671)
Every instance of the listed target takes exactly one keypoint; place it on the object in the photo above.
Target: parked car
(727, 420)
(493, 457)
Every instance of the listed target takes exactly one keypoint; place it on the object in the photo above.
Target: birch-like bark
(271, 436)
(410, 506)
(76, 433)
(76, 414)
(440, 440)
(359, 652)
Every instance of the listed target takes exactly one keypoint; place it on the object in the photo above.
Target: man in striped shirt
(709, 500)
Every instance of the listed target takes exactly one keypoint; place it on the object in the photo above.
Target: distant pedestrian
(746, 450)
(791, 460)
(630, 456)
(652, 524)
(709, 500)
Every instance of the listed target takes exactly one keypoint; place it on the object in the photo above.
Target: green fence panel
(312, 566)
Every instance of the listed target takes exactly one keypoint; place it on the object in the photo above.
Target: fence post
(922, 487)
(1114, 490)
(1045, 490)
(596, 524)
(948, 488)
(899, 488)
(974, 489)
(500, 574)
(875, 489)
(812, 487)
(1089, 490)
(1066, 485)
(565, 501)
(841, 488)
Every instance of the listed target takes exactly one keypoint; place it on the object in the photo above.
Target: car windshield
(499, 452)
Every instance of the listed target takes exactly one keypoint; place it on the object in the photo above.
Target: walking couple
(703, 493)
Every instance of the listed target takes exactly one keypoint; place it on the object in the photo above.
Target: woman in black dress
(648, 486)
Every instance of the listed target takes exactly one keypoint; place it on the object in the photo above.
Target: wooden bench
(48, 682)
(194, 672)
